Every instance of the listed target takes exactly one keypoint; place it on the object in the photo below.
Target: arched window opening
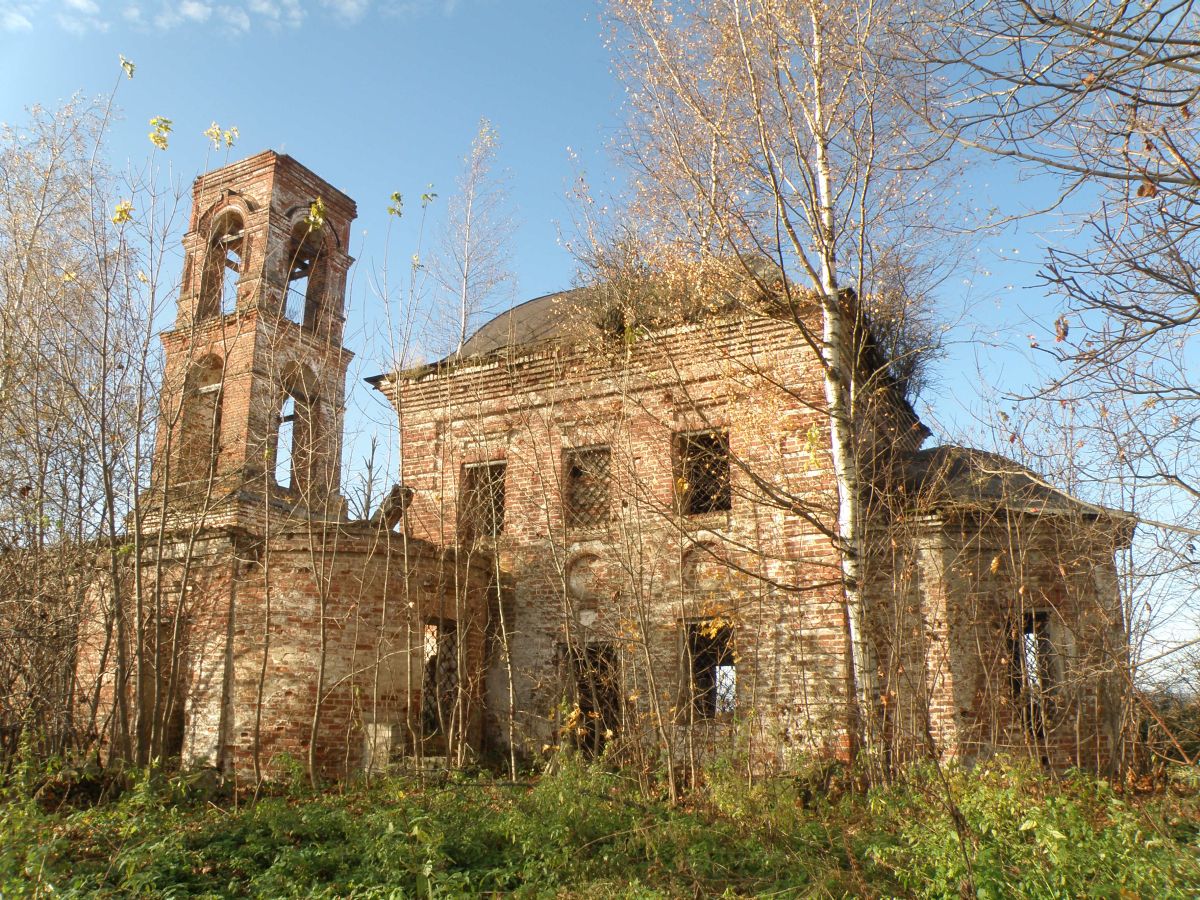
(222, 268)
(200, 421)
(296, 432)
(285, 442)
(306, 278)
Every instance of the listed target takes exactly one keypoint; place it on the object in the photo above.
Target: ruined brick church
(613, 538)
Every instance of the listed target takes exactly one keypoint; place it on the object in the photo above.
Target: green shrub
(1007, 831)
(1013, 831)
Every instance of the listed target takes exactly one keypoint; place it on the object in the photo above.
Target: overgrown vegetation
(582, 831)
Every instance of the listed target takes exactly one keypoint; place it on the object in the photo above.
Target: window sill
(576, 533)
(720, 518)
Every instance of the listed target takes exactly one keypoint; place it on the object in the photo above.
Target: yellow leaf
(162, 127)
(123, 213)
(228, 137)
(316, 215)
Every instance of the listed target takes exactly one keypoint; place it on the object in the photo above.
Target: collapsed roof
(950, 476)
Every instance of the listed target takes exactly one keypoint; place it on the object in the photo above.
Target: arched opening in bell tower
(304, 299)
(200, 419)
(223, 265)
(296, 430)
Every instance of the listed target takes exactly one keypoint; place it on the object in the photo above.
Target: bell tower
(250, 426)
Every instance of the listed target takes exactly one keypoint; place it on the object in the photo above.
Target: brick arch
(224, 258)
(298, 215)
(299, 376)
(229, 200)
(200, 418)
(297, 430)
(307, 273)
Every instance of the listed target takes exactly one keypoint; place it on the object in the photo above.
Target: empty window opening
(285, 443)
(587, 486)
(439, 681)
(297, 290)
(712, 667)
(702, 472)
(222, 269)
(201, 421)
(297, 431)
(1031, 659)
(168, 692)
(596, 691)
(482, 500)
(305, 294)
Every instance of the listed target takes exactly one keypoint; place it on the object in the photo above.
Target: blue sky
(374, 97)
(385, 96)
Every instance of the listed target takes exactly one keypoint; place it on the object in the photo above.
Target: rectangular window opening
(1031, 660)
(439, 681)
(482, 500)
(712, 668)
(702, 472)
(587, 487)
(597, 696)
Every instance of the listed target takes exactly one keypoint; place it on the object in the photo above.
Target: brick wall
(767, 565)
(253, 651)
(267, 605)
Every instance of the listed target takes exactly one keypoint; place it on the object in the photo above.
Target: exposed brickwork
(654, 568)
(276, 626)
(261, 352)
(768, 565)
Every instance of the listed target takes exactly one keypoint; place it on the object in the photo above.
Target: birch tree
(770, 129)
(471, 264)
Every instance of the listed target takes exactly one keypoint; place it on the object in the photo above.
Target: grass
(1008, 832)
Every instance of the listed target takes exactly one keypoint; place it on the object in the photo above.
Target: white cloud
(235, 19)
(14, 20)
(233, 16)
(81, 17)
(282, 12)
(80, 25)
(195, 11)
(347, 10)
